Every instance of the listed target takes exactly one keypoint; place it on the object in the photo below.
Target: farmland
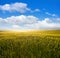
(30, 44)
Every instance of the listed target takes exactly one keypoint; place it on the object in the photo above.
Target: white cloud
(29, 22)
(22, 19)
(50, 14)
(16, 26)
(37, 10)
(19, 7)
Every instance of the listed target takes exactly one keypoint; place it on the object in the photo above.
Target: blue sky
(29, 14)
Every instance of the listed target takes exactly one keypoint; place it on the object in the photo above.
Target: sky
(29, 14)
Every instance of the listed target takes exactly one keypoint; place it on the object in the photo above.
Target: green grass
(31, 44)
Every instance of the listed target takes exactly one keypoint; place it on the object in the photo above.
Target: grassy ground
(32, 44)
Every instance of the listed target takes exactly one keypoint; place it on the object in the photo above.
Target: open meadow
(30, 44)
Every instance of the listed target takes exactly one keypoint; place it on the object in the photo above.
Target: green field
(30, 44)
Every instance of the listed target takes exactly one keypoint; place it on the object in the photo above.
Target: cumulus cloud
(19, 7)
(23, 22)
